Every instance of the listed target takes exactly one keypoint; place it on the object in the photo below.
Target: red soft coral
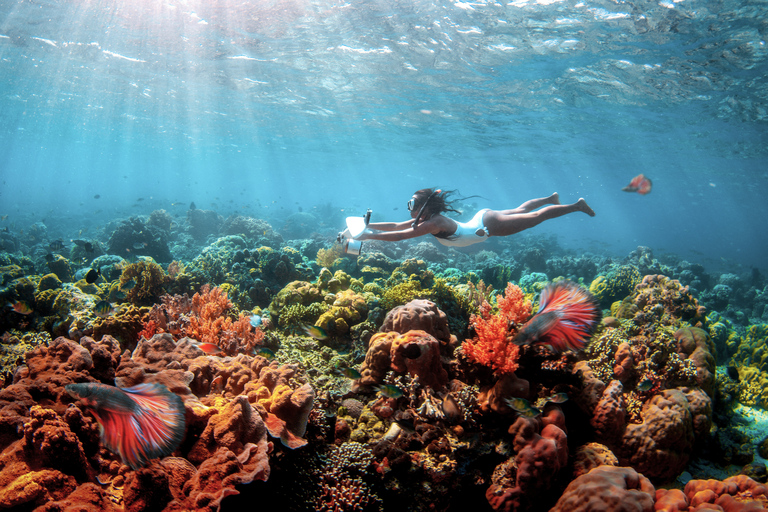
(492, 345)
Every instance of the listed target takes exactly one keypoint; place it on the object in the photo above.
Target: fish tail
(139, 423)
(576, 311)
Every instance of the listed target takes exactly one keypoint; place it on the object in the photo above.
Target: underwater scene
(424, 255)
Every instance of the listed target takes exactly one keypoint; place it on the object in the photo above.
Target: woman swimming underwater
(428, 205)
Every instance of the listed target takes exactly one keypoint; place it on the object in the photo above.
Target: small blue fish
(315, 332)
(390, 390)
(255, 321)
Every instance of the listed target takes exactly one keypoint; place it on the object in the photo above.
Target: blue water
(260, 108)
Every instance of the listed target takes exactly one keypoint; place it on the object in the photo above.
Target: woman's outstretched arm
(393, 234)
(391, 226)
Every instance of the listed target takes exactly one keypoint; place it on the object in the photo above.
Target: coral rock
(421, 315)
(418, 353)
(415, 352)
(695, 344)
(661, 445)
(608, 417)
(288, 414)
(590, 456)
(735, 494)
(608, 489)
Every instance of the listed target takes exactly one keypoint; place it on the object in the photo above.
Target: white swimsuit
(466, 232)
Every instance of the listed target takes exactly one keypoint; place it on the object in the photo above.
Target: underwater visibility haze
(174, 177)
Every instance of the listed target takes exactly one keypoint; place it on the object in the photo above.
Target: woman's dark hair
(439, 202)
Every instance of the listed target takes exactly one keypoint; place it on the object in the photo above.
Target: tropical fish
(390, 390)
(128, 285)
(217, 384)
(139, 423)
(645, 385)
(20, 307)
(88, 246)
(558, 398)
(208, 348)
(316, 332)
(568, 314)
(522, 406)
(451, 408)
(92, 276)
(56, 245)
(103, 308)
(255, 321)
(639, 184)
(264, 352)
(140, 245)
(350, 373)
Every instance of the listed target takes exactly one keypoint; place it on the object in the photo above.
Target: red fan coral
(492, 345)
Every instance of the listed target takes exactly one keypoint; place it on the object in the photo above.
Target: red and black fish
(639, 184)
(568, 315)
(139, 423)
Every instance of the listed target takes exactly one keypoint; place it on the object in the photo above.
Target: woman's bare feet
(582, 206)
(554, 198)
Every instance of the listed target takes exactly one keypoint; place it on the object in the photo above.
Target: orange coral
(205, 319)
(492, 345)
(149, 330)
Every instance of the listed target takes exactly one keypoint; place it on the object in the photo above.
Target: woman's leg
(499, 223)
(533, 204)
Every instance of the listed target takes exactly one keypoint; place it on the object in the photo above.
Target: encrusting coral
(53, 452)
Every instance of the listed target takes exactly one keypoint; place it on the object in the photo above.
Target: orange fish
(139, 423)
(639, 184)
(208, 348)
(20, 307)
(567, 316)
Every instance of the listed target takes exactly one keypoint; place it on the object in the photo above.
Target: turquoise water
(266, 107)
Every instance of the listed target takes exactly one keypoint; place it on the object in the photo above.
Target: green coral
(292, 318)
(753, 388)
(615, 285)
(60, 266)
(624, 308)
(14, 345)
(751, 349)
(215, 260)
(533, 282)
(368, 427)
(403, 293)
(49, 282)
(295, 293)
(10, 272)
(148, 282)
(348, 309)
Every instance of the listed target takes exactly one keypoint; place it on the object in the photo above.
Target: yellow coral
(753, 389)
(326, 257)
(599, 287)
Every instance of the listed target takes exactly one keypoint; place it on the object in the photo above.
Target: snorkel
(421, 210)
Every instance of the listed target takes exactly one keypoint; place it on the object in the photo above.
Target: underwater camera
(356, 226)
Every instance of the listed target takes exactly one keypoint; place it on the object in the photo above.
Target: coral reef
(384, 409)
